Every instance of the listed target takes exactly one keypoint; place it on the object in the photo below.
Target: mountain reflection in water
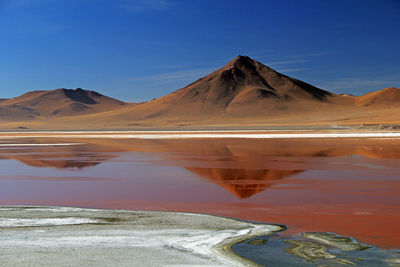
(243, 183)
(348, 186)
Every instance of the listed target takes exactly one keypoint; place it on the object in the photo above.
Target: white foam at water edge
(230, 135)
(189, 135)
(56, 144)
(206, 244)
(254, 136)
(16, 222)
(52, 209)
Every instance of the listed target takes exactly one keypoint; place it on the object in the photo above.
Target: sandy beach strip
(91, 237)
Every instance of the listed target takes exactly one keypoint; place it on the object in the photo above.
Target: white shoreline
(90, 237)
(47, 144)
(17, 222)
(207, 135)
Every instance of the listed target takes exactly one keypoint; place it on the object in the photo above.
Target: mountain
(242, 88)
(243, 93)
(58, 102)
(242, 85)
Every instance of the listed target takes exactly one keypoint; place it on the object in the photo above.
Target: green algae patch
(297, 250)
(333, 240)
(257, 242)
(308, 250)
(311, 252)
(394, 262)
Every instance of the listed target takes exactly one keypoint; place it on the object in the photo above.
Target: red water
(347, 186)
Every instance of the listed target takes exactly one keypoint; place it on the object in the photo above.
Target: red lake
(349, 186)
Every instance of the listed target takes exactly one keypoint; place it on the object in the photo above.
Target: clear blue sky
(139, 49)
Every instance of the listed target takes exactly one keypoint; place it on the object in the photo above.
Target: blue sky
(135, 50)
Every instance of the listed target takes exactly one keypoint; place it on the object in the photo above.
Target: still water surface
(347, 186)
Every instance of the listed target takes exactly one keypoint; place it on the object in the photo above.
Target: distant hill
(388, 97)
(59, 102)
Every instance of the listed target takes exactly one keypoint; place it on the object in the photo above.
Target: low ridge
(388, 97)
(58, 102)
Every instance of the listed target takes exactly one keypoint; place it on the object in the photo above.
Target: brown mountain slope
(242, 84)
(59, 102)
(388, 97)
(242, 88)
